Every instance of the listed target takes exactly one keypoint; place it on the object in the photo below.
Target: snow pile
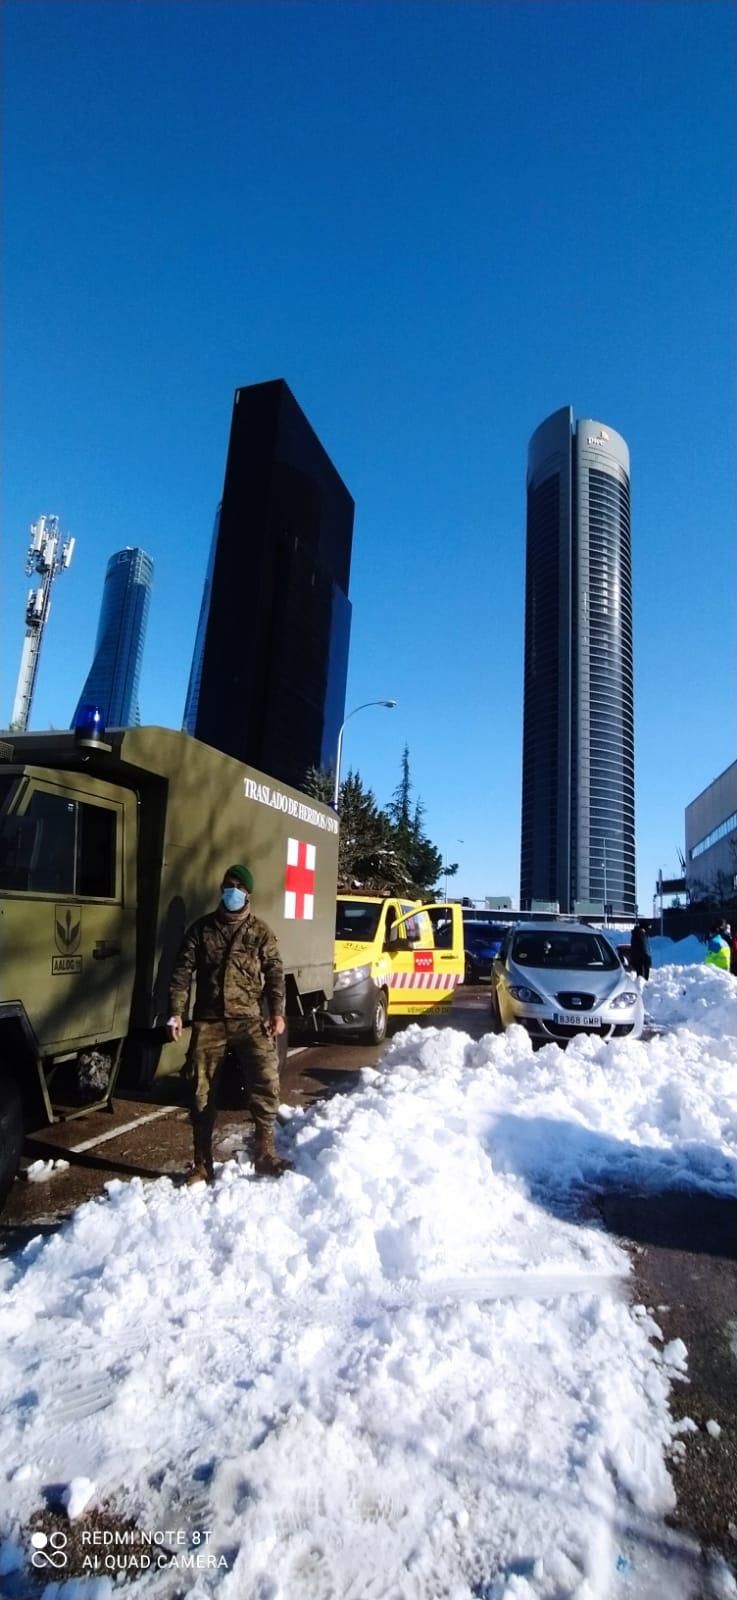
(41, 1171)
(407, 1369)
(664, 952)
(700, 1000)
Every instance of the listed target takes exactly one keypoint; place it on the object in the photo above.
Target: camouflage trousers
(254, 1051)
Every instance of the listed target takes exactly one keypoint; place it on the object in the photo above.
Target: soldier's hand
(174, 1027)
(277, 1026)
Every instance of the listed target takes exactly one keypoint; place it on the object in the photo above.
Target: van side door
(424, 972)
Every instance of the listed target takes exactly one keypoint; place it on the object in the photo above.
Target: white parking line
(150, 1116)
(125, 1127)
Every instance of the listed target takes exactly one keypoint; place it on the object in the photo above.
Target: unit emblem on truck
(299, 882)
(67, 937)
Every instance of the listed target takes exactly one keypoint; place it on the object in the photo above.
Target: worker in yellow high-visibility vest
(717, 950)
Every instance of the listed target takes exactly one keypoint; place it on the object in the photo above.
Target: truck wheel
(11, 1132)
(376, 1034)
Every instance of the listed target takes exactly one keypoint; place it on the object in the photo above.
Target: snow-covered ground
(409, 1369)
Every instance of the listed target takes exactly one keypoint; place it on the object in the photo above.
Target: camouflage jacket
(237, 968)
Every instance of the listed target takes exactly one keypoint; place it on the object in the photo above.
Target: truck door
(68, 914)
(426, 959)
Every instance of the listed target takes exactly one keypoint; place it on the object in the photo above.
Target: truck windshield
(355, 919)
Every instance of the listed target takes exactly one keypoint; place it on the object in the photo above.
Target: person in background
(240, 1002)
(718, 953)
(726, 932)
(641, 958)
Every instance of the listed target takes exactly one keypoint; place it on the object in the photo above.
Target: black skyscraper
(578, 782)
(271, 657)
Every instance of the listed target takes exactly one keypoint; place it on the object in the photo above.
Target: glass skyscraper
(268, 677)
(578, 780)
(112, 681)
(195, 671)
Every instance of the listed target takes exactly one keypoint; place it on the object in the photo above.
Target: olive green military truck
(107, 852)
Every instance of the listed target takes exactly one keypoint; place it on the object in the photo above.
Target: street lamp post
(390, 704)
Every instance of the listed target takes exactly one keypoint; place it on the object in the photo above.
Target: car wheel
(376, 1034)
(471, 975)
(11, 1132)
(497, 1026)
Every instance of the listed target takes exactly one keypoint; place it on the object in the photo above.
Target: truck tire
(11, 1132)
(376, 1034)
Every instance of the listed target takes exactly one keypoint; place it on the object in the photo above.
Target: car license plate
(577, 1019)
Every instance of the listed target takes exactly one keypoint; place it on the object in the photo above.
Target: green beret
(243, 874)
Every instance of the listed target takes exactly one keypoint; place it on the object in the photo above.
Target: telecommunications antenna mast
(48, 555)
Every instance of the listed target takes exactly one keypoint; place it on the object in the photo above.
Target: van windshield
(357, 920)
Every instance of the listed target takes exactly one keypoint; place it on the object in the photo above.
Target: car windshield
(572, 952)
(357, 919)
(483, 933)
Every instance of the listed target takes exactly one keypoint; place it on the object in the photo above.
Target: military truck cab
(108, 851)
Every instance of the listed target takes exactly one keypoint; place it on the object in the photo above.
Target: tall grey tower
(578, 778)
(112, 681)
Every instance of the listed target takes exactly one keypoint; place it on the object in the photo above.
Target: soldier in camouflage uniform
(239, 1007)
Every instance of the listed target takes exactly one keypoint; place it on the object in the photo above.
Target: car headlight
(627, 998)
(527, 996)
(346, 980)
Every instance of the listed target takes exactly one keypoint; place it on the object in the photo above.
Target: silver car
(561, 979)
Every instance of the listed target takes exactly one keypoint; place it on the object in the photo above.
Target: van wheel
(376, 1034)
(11, 1132)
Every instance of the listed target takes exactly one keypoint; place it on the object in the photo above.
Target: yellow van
(393, 958)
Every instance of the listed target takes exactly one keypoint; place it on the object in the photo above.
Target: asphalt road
(683, 1247)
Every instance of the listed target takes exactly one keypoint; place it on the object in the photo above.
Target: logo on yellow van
(67, 936)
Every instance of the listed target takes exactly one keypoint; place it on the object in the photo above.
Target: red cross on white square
(299, 883)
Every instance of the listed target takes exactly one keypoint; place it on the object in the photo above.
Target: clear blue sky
(439, 222)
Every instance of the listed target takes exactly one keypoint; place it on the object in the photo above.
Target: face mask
(234, 899)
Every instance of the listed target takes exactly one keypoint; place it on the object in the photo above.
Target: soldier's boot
(265, 1159)
(197, 1174)
(202, 1170)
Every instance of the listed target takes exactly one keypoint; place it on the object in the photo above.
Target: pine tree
(366, 847)
(398, 807)
(319, 784)
(382, 851)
